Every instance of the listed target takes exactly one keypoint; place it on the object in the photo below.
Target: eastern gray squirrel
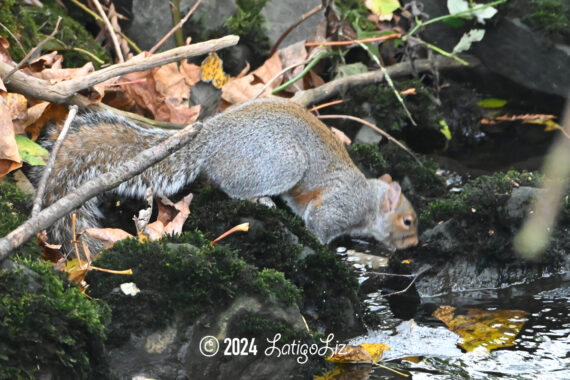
(266, 147)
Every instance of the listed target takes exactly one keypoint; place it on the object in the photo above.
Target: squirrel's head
(397, 222)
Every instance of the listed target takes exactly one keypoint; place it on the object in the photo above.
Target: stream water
(424, 348)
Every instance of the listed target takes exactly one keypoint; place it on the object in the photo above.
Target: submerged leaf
(488, 329)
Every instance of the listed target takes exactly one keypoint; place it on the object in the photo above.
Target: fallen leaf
(109, 236)
(487, 329)
(191, 72)
(31, 152)
(363, 353)
(341, 136)
(4, 55)
(212, 70)
(52, 113)
(18, 106)
(9, 156)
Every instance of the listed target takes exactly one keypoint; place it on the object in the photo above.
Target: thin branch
(31, 52)
(354, 42)
(63, 92)
(98, 18)
(111, 30)
(320, 106)
(175, 28)
(308, 68)
(416, 276)
(375, 128)
(14, 37)
(290, 29)
(338, 86)
(88, 190)
(38, 201)
(279, 74)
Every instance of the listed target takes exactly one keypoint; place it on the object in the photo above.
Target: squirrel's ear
(386, 178)
(392, 197)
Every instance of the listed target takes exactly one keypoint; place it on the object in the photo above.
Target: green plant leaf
(445, 130)
(382, 7)
(492, 103)
(350, 69)
(474, 35)
(454, 22)
(456, 6)
(31, 152)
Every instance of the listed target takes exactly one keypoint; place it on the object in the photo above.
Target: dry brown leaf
(18, 106)
(170, 219)
(109, 236)
(55, 75)
(239, 90)
(4, 55)
(191, 72)
(171, 83)
(50, 252)
(269, 69)
(53, 113)
(9, 157)
(316, 79)
(50, 60)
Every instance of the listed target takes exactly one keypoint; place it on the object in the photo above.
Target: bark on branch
(63, 92)
(332, 88)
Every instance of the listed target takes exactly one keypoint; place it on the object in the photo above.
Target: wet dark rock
(505, 49)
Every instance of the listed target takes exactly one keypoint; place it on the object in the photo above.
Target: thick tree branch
(95, 186)
(335, 87)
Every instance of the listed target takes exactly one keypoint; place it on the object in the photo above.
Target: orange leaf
(108, 235)
(9, 157)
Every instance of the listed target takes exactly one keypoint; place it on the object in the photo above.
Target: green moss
(279, 240)
(173, 278)
(31, 25)
(383, 106)
(480, 199)
(47, 326)
(248, 23)
(15, 207)
(551, 16)
(375, 161)
(273, 284)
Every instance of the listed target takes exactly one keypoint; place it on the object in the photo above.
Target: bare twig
(290, 29)
(98, 185)
(175, 28)
(415, 277)
(279, 74)
(13, 36)
(98, 18)
(354, 42)
(375, 128)
(62, 92)
(38, 201)
(320, 106)
(335, 87)
(111, 30)
(31, 52)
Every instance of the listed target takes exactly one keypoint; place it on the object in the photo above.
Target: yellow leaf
(364, 353)
(383, 8)
(212, 70)
(490, 329)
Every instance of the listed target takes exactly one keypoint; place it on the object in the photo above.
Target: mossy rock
(280, 241)
(48, 327)
(30, 25)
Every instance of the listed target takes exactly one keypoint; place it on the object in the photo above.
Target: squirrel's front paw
(266, 201)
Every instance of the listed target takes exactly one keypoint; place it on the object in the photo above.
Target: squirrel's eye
(407, 222)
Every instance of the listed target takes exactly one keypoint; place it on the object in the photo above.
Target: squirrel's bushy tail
(96, 143)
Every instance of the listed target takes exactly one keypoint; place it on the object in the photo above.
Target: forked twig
(111, 30)
(31, 52)
(175, 28)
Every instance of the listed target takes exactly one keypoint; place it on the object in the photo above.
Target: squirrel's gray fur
(261, 148)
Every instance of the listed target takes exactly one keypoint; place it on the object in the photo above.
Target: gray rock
(510, 49)
(517, 206)
(367, 136)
